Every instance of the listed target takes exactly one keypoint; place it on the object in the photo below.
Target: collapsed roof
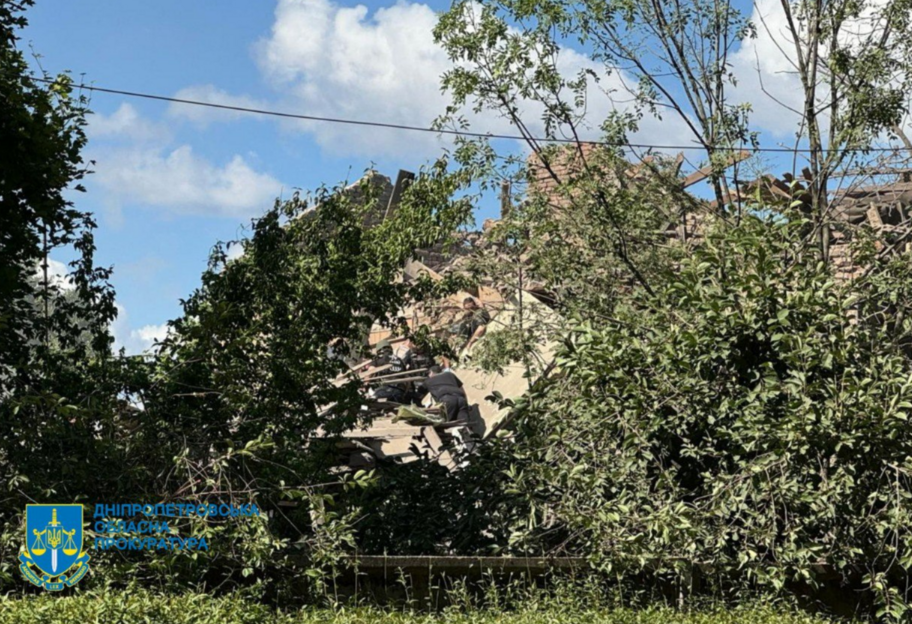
(390, 439)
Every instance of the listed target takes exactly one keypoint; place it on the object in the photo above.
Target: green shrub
(748, 420)
(139, 607)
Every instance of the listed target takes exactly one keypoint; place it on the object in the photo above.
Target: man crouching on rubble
(446, 388)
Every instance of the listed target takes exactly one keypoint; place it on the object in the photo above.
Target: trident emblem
(53, 546)
(52, 537)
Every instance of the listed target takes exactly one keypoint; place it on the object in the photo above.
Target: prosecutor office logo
(53, 557)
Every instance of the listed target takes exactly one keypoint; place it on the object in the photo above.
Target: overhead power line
(464, 133)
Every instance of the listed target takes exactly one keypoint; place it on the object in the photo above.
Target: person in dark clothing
(382, 354)
(399, 361)
(446, 388)
(474, 322)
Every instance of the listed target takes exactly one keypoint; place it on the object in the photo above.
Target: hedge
(139, 607)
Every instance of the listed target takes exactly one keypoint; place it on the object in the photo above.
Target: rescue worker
(446, 388)
(401, 358)
(382, 353)
(399, 361)
(474, 322)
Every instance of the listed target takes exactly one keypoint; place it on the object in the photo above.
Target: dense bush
(750, 419)
(139, 607)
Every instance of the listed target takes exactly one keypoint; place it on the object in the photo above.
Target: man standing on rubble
(474, 322)
(446, 388)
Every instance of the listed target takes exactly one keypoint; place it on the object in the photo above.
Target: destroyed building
(392, 438)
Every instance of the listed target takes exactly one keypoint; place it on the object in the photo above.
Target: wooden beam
(443, 456)
(402, 181)
(384, 381)
(874, 219)
(701, 174)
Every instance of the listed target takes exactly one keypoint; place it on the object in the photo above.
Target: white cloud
(350, 62)
(150, 334)
(766, 72)
(135, 341)
(340, 62)
(347, 62)
(58, 275)
(235, 251)
(204, 115)
(183, 182)
(136, 162)
(126, 124)
(344, 62)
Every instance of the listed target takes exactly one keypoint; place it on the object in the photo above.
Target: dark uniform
(399, 392)
(401, 363)
(446, 388)
(471, 321)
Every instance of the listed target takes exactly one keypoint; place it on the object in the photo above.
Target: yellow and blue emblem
(54, 556)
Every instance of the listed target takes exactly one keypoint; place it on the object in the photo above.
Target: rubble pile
(407, 425)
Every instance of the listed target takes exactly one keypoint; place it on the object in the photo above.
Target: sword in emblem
(54, 539)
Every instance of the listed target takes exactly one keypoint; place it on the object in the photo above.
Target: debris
(414, 415)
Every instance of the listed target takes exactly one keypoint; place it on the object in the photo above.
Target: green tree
(748, 419)
(42, 133)
(851, 58)
(57, 394)
(647, 58)
(249, 392)
(673, 60)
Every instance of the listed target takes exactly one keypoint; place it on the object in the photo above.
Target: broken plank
(701, 174)
(443, 456)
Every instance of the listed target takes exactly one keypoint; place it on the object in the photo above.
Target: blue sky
(161, 47)
(170, 181)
